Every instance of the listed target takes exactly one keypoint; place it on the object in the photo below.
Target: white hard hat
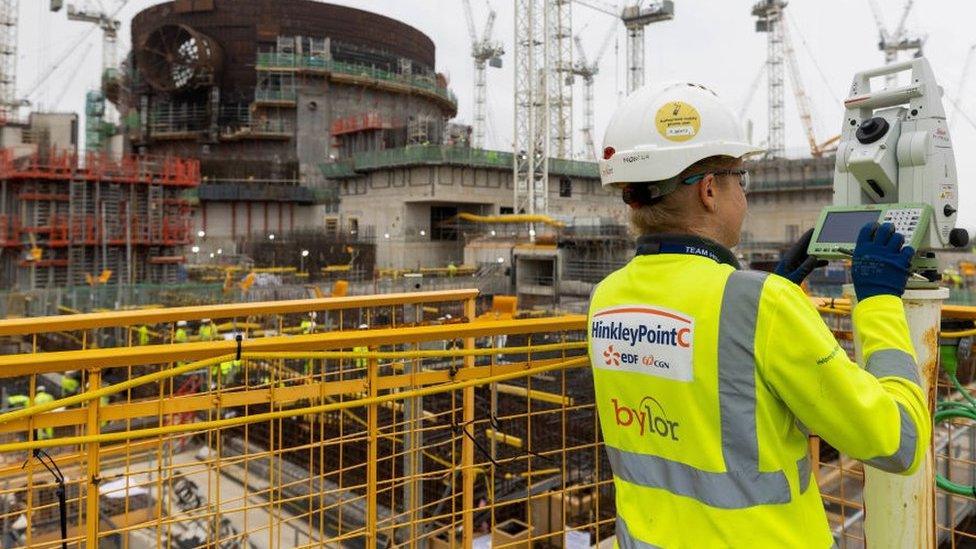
(40, 389)
(656, 133)
(181, 323)
(364, 326)
(205, 320)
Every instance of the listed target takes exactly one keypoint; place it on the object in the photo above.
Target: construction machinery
(531, 158)
(559, 63)
(635, 18)
(8, 60)
(769, 20)
(893, 42)
(587, 69)
(98, 124)
(961, 90)
(817, 149)
(486, 52)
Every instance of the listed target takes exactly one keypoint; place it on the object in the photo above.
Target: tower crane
(96, 127)
(802, 99)
(892, 43)
(485, 52)
(966, 69)
(635, 18)
(587, 69)
(769, 14)
(530, 168)
(8, 60)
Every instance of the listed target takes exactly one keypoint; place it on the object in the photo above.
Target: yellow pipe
(511, 218)
(283, 414)
(93, 394)
(510, 440)
(948, 311)
(28, 364)
(963, 333)
(86, 321)
(534, 394)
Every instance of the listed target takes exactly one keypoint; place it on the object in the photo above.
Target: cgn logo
(612, 358)
(652, 362)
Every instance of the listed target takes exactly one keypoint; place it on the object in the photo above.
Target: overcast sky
(709, 41)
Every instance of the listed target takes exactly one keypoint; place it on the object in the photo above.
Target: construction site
(270, 289)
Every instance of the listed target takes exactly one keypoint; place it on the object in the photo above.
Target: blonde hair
(670, 214)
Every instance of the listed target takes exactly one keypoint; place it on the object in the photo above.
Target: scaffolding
(64, 223)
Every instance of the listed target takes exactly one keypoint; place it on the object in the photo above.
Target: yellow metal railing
(358, 436)
(414, 433)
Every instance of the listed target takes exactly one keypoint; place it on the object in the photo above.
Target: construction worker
(361, 362)
(143, 335)
(451, 269)
(227, 371)
(17, 401)
(69, 383)
(207, 332)
(708, 377)
(307, 327)
(181, 336)
(43, 397)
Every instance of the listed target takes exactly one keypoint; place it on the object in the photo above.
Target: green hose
(946, 411)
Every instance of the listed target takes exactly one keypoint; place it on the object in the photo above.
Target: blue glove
(796, 264)
(880, 263)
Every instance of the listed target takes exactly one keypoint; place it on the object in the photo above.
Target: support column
(92, 518)
(900, 511)
(467, 446)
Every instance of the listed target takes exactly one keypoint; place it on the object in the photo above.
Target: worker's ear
(708, 192)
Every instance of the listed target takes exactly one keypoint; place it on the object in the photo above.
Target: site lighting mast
(635, 18)
(769, 14)
(587, 69)
(893, 42)
(485, 52)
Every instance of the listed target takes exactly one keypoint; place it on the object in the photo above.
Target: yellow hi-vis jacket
(706, 378)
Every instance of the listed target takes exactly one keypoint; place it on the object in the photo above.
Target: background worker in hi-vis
(708, 377)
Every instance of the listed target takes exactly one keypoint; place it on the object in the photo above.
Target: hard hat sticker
(677, 121)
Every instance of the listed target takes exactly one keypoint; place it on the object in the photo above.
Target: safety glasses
(743, 177)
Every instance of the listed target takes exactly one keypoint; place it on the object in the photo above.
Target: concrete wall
(223, 227)
(780, 217)
(397, 202)
(60, 129)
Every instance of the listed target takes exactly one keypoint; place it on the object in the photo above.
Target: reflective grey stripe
(737, 369)
(892, 362)
(737, 386)
(803, 468)
(626, 541)
(903, 457)
(730, 490)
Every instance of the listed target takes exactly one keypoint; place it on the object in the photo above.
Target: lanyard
(688, 245)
